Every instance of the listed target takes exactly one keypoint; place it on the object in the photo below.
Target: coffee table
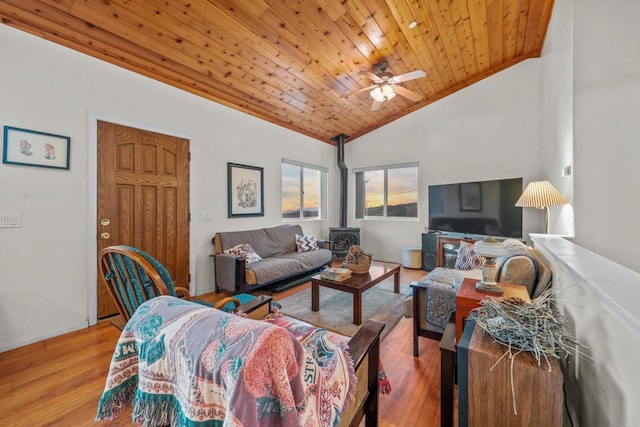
(356, 285)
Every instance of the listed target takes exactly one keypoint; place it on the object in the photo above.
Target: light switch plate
(9, 220)
(204, 215)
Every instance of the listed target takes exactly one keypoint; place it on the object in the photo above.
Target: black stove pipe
(344, 174)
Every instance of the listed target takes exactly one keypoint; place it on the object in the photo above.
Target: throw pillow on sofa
(306, 243)
(468, 259)
(245, 251)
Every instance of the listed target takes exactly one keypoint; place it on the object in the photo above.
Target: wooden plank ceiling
(290, 61)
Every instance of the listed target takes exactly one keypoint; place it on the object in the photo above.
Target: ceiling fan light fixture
(382, 93)
(387, 91)
(376, 94)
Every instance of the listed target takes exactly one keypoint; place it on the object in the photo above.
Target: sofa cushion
(282, 239)
(274, 268)
(245, 251)
(311, 259)
(306, 243)
(467, 258)
(256, 238)
(521, 265)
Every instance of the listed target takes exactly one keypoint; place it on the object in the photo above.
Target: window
(303, 190)
(387, 191)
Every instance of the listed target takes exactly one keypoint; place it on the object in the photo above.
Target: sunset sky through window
(401, 187)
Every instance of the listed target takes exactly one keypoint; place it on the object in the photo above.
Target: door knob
(105, 236)
(105, 221)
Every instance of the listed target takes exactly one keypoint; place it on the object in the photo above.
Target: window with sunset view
(303, 190)
(387, 191)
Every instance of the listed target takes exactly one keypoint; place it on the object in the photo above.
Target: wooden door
(143, 199)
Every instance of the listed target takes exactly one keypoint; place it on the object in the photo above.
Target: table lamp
(541, 195)
(490, 249)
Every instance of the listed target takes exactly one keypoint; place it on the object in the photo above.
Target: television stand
(450, 240)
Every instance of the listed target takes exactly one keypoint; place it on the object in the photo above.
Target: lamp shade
(540, 194)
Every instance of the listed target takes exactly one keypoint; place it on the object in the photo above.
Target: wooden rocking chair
(133, 276)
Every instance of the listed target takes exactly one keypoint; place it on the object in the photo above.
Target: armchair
(433, 299)
(182, 364)
(133, 276)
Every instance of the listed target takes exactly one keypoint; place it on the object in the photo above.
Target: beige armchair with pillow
(433, 299)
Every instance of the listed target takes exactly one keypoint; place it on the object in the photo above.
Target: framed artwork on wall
(32, 148)
(471, 197)
(245, 190)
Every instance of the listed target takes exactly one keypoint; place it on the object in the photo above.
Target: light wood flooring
(58, 381)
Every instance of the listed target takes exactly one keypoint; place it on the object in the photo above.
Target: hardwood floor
(58, 381)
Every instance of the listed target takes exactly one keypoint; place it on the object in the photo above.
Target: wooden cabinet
(485, 391)
(440, 246)
(443, 241)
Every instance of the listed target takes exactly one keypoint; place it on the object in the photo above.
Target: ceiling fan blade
(372, 76)
(409, 76)
(375, 105)
(409, 94)
(344, 95)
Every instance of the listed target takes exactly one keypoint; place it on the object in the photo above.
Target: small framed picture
(32, 148)
(471, 197)
(245, 190)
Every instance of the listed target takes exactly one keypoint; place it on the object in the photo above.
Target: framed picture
(32, 148)
(471, 196)
(245, 190)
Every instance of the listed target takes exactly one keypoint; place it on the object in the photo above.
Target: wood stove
(342, 238)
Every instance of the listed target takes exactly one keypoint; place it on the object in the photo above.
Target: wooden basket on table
(357, 260)
(357, 269)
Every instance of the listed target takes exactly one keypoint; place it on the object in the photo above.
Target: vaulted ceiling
(292, 61)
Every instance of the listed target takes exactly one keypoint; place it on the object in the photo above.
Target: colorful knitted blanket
(180, 363)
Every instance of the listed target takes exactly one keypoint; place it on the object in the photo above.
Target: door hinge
(189, 278)
(189, 156)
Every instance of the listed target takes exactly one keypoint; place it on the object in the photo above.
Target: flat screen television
(483, 207)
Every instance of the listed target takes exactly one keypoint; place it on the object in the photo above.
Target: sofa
(251, 259)
(432, 301)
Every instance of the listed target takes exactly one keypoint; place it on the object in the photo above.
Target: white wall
(591, 86)
(46, 265)
(557, 114)
(490, 130)
(603, 386)
(607, 103)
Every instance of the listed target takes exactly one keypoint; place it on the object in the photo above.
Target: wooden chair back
(131, 278)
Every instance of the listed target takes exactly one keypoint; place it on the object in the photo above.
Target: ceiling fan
(386, 86)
